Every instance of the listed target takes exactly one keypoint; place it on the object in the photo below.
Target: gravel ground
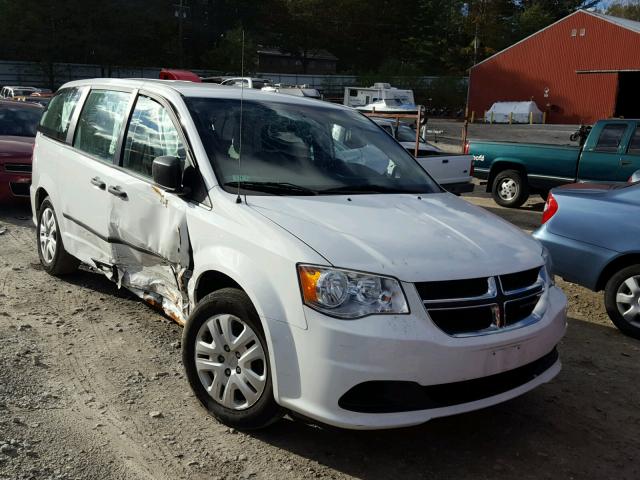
(92, 387)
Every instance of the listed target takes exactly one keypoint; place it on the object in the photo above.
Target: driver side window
(151, 134)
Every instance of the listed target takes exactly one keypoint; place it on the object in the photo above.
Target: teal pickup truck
(608, 152)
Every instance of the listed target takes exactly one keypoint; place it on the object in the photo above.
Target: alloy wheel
(628, 300)
(508, 189)
(48, 235)
(230, 362)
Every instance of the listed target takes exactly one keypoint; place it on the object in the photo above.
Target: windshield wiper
(276, 188)
(367, 189)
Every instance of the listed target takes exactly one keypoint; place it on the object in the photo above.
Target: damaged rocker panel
(144, 278)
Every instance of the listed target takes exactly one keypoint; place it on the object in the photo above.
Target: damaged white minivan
(310, 278)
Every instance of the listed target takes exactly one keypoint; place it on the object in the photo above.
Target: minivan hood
(437, 237)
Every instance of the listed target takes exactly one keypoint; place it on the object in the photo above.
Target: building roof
(620, 22)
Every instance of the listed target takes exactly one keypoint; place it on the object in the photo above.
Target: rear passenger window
(610, 137)
(151, 134)
(100, 123)
(56, 119)
(634, 144)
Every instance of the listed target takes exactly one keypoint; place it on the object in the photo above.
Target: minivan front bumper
(407, 354)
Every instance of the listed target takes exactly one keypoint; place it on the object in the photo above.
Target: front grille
(483, 305)
(20, 189)
(519, 280)
(518, 310)
(400, 396)
(473, 287)
(456, 321)
(18, 167)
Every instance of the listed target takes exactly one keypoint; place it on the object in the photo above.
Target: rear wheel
(622, 299)
(53, 256)
(226, 359)
(510, 189)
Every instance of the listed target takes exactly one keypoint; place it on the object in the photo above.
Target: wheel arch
(278, 329)
(211, 281)
(614, 266)
(502, 164)
(40, 195)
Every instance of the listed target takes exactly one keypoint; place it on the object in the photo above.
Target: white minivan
(308, 280)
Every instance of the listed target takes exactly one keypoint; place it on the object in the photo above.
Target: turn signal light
(550, 208)
(308, 282)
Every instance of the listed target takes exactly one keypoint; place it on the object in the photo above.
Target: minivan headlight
(348, 294)
(548, 266)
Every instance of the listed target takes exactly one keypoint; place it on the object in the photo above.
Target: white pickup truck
(453, 172)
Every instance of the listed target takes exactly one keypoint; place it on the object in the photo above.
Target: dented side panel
(150, 249)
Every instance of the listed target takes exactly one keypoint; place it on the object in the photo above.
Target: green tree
(625, 9)
(227, 55)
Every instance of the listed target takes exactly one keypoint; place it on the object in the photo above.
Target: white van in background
(381, 97)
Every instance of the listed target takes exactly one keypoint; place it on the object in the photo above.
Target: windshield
(300, 149)
(261, 84)
(408, 134)
(22, 92)
(19, 121)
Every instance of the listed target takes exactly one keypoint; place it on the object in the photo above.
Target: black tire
(61, 263)
(231, 301)
(616, 283)
(519, 189)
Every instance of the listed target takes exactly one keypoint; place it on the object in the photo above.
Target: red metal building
(584, 67)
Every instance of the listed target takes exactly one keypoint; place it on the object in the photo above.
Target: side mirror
(635, 177)
(167, 172)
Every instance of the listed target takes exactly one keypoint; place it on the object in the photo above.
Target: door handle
(625, 163)
(117, 192)
(445, 161)
(98, 183)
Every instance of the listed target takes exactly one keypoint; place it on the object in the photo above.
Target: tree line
(402, 37)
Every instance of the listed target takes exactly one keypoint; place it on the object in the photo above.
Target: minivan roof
(213, 90)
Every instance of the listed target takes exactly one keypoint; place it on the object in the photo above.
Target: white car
(358, 297)
(247, 82)
(11, 92)
(452, 171)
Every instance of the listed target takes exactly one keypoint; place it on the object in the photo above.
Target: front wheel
(226, 360)
(622, 300)
(53, 256)
(510, 189)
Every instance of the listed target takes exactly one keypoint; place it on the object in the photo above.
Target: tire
(624, 285)
(239, 397)
(53, 256)
(509, 189)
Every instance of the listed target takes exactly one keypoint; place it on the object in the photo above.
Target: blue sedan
(592, 232)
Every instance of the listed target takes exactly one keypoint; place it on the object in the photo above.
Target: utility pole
(181, 11)
(475, 45)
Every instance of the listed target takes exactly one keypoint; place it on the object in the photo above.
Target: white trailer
(364, 98)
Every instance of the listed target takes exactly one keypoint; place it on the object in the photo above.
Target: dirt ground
(92, 387)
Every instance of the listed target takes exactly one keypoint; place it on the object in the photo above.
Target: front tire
(510, 189)
(53, 256)
(622, 300)
(226, 360)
